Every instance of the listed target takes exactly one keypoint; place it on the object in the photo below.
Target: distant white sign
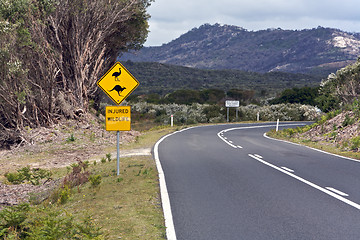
(232, 103)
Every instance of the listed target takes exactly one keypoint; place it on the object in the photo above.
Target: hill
(319, 50)
(164, 78)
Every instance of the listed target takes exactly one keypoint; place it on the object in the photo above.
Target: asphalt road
(231, 182)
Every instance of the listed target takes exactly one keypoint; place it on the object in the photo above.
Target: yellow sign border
(119, 125)
(105, 75)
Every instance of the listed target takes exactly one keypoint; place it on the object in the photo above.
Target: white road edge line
(279, 140)
(165, 200)
(337, 191)
(256, 155)
(353, 204)
(288, 169)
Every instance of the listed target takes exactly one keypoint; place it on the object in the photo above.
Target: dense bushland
(207, 113)
(53, 52)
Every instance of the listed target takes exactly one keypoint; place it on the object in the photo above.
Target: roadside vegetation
(338, 130)
(84, 199)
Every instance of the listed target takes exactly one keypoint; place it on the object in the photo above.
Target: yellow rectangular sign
(118, 118)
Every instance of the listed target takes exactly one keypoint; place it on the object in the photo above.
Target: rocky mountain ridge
(317, 51)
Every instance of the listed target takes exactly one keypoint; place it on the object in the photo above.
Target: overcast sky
(171, 18)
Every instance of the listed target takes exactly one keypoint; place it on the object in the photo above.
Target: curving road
(232, 182)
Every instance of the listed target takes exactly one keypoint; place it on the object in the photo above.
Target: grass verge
(321, 145)
(127, 206)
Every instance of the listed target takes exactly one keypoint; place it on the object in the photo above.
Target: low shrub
(78, 176)
(27, 175)
(355, 143)
(95, 180)
(33, 223)
(348, 121)
(108, 157)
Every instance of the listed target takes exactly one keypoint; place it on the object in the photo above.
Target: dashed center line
(288, 169)
(335, 194)
(337, 191)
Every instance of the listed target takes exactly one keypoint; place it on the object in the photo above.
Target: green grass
(324, 146)
(127, 206)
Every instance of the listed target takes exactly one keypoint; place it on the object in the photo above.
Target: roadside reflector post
(172, 120)
(258, 116)
(277, 125)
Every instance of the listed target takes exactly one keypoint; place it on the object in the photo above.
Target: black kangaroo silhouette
(118, 88)
(117, 74)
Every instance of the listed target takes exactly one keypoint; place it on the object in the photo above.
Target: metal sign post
(227, 115)
(118, 119)
(118, 152)
(233, 104)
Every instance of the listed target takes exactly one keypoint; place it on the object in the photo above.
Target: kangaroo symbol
(118, 88)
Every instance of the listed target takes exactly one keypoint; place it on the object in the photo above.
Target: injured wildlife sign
(118, 118)
(118, 83)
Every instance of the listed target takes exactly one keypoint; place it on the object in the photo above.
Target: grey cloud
(170, 18)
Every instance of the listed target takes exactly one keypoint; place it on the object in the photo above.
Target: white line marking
(165, 200)
(231, 142)
(239, 146)
(224, 139)
(256, 155)
(288, 169)
(221, 133)
(337, 191)
(353, 204)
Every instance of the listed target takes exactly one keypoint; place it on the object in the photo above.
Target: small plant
(356, 108)
(355, 143)
(92, 137)
(71, 138)
(95, 180)
(147, 171)
(13, 218)
(348, 121)
(333, 134)
(78, 176)
(86, 164)
(345, 145)
(15, 178)
(64, 194)
(33, 176)
(108, 157)
(103, 160)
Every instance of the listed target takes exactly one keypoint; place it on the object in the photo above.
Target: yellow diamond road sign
(118, 83)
